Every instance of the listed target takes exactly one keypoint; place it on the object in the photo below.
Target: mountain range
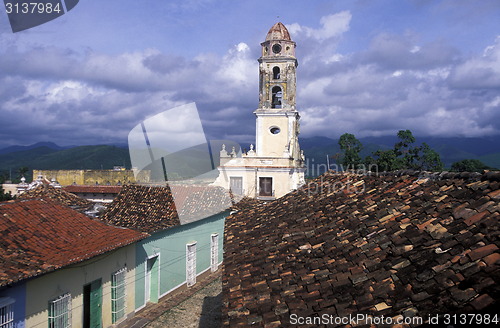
(47, 155)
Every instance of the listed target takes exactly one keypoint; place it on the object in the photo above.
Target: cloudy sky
(366, 67)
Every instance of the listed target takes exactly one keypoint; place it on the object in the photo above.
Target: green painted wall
(170, 245)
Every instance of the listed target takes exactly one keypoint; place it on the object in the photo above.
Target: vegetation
(404, 154)
(44, 158)
(3, 195)
(351, 148)
(469, 165)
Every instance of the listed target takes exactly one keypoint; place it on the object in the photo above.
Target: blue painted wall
(170, 246)
(18, 293)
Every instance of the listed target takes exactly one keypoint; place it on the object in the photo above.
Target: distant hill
(451, 150)
(46, 155)
(57, 158)
(12, 149)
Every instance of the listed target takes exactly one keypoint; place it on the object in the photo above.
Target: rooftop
(155, 208)
(93, 189)
(278, 32)
(59, 195)
(142, 208)
(41, 235)
(381, 245)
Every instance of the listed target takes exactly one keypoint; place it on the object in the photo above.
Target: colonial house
(182, 244)
(410, 247)
(60, 268)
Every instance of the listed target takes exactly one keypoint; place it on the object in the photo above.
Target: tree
(387, 160)
(351, 148)
(22, 171)
(403, 149)
(406, 156)
(3, 195)
(469, 165)
(430, 159)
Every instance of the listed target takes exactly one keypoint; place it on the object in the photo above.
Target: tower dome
(278, 32)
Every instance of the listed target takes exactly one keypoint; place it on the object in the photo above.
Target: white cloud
(321, 43)
(396, 83)
(479, 72)
(333, 25)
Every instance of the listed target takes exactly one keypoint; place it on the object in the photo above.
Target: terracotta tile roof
(41, 235)
(380, 245)
(142, 208)
(152, 208)
(59, 195)
(201, 202)
(93, 189)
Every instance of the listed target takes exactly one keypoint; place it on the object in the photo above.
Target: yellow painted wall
(40, 291)
(91, 177)
(274, 144)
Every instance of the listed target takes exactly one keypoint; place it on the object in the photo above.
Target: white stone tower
(276, 166)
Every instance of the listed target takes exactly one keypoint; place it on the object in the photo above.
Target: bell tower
(276, 166)
(277, 118)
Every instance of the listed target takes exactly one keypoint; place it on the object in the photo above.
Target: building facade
(174, 258)
(60, 268)
(180, 247)
(93, 177)
(276, 165)
(95, 293)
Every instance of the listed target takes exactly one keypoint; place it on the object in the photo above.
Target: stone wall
(91, 177)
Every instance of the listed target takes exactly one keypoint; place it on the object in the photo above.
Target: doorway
(92, 304)
(151, 287)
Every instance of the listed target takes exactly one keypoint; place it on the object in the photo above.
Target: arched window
(276, 72)
(277, 94)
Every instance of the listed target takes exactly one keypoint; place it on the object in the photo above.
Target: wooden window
(236, 185)
(118, 296)
(214, 252)
(6, 312)
(191, 264)
(266, 187)
(60, 312)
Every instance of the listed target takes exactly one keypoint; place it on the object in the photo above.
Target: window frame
(118, 302)
(62, 300)
(214, 252)
(6, 312)
(190, 276)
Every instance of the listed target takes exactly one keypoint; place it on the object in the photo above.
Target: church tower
(277, 118)
(276, 165)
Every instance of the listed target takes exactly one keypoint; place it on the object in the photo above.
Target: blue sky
(366, 67)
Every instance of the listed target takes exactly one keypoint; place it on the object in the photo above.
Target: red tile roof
(142, 208)
(93, 189)
(153, 208)
(59, 195)
(379, 245)
(41, 235)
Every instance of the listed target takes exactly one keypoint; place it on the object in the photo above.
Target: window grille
(6, 313)
(191, 264)
(118, 297)
(60, 312)
(214, 252)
